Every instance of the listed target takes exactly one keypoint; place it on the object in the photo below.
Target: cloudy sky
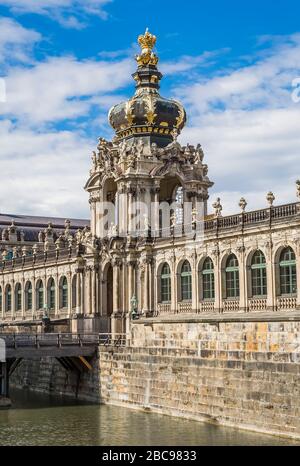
(235, 66)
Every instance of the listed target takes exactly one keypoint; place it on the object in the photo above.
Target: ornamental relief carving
(297, 246)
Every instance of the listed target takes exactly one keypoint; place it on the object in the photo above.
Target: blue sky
(65, 62)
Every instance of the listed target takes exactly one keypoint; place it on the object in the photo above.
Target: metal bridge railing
(39, 340)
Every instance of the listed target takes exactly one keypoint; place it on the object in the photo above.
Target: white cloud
(248, 125)
(43, 173)
(61, 88)
(69, 13)
(245, 119)
(187, 62)
(16, 42)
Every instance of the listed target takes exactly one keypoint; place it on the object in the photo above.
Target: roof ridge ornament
(147, 57)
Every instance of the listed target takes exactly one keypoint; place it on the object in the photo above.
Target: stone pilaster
(242, 279)
(13, 300)
(23, 296)
(298, 273)
(78, 293)
(69, 278)
(271, 278)
(195, 287)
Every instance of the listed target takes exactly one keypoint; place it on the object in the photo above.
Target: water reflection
(42, 420)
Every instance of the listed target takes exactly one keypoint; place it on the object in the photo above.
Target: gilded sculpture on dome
(147, 57)
(150, 109)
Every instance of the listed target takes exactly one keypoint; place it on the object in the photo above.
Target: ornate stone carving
(270, 198)
(218, 207)
(147, 56)
(150, 107)
(243, 204)
(298, 188)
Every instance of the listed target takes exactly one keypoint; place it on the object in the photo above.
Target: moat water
(36, 419)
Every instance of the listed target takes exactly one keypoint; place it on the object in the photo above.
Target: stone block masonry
(48, 376)
(240, 374)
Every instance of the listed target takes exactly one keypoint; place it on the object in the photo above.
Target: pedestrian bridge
(73, 351)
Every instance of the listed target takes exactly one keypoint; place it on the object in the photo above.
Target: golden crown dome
(147, 114)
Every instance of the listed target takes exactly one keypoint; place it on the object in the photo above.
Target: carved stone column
(130, 196)
(140, 280)
(116, 286)
(195, 300)
(82, 294)
(147, 291)
(78, 292)
(155, 211)
(131, 265)
(152, 287)
(2, 299)
(218, 279)
(116, 301)
(243, 279)
(297, 250)
(93, 205)
(13, 300)
(131, 287)
(57, 295)
(122, 208)
(69, 277)
(174, 287)
(34, 297)
(88, 291)
(94, 290)
(271, 279)
(23, 296)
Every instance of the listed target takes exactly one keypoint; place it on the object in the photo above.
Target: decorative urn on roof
(147, 114)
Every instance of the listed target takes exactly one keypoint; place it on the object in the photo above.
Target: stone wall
(242, 374)
(48, 376)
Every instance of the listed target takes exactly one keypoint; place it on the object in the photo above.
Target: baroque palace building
(150, 248)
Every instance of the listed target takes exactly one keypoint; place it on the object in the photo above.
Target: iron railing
(46, 340)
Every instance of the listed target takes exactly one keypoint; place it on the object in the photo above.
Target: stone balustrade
(257, 304)
(207, 306)
(40, 258)
(246, 219)
(286, 303)
(185, 307)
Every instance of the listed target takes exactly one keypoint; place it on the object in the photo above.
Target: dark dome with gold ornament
(147, 114)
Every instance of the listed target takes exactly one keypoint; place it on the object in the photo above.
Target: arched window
(18, 297)
(51, 293)
(165, 284)
(9, 256)
(186, 281)
(8, 298)
(259, 274)
(0, 299)
(64, 292)
(232, 277)
(28, 296)
(40, 294)
(208, 279)
(288, 275)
